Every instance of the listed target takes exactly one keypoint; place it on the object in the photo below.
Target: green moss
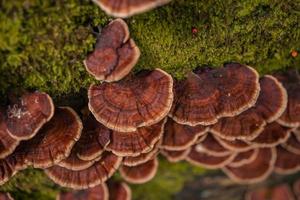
(43, 43)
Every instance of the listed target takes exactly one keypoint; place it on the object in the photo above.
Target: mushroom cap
(292, 144)
(255, 171)
(296, 188)
(141, 173)
(127, 8)
(207, 96)
(98, 173)
(272, 135)
(119, 191)
(175, 156)
(213, 147)
(99, 192)
(137, 101)
(291, 116)
(270, 105)
(243, 158)
(5, 196)
(55, 140)
(286, 162)
(137, 142)
(279, 192)
(29, 114)
(95, 136)
(143, 157)
(7, 143)
(234, 145)
(199, 157)
(179, 137)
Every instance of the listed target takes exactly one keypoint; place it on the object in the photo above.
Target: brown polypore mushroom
(279, 192)
(93, 139)
(114, 55)
(243, 158)
(98, 173)
(296, 188)
(205, 97)
(134, 143)
(199, 157)
(29, 114)
(255, 171)
(286, 162)
(270, 105)
(291, 82)
(179, 137)
(119, 191)
(234, 145)
(272, 135)
(175, 156)
(5, 196)
(141, 173)
(99, 192)
(137, 101)
(7, 143)
(292, 144)
(55, 140)
(127, 8)
(143, 157)
(212, 146)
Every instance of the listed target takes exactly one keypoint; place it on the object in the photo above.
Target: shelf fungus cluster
(127, 8)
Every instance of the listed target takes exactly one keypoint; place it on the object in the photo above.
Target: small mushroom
(28, 115)
(95, 136)
(199, 157)
(5, 196)
(205, 97)
(141, 173)
(292, 144)
(115, 54)
(7, 142)
(175, 156)
(270, 105)
(99, 192)
(272, 135)
(98, 173)
(286, 162)
(296, 188)
(127, 8)
(244, 158)
(257, 170)
(279, 192)
(179, 137)
(212, 146)
(55, 140)
(119, 191)
(137, 101)
(143, 157)
(234, 145)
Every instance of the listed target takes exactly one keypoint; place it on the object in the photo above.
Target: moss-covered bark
(43, 43)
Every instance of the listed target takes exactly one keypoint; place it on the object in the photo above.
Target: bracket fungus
(55, 140)
(7, 143)
(139, 100)
(179, 137)
(205, 97)
(98, 173)
(141, 173)
(287, 162)
(270, 105)
(127, 8)
(115, 53)
(243, 158)
(234, 145)
(199, 157)
(292, 144)
(175, 156)
(257, 170)
(119, 191)
(212, 146)
(279, 192)
(271, 136)
(99, 192)
(26, 116)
